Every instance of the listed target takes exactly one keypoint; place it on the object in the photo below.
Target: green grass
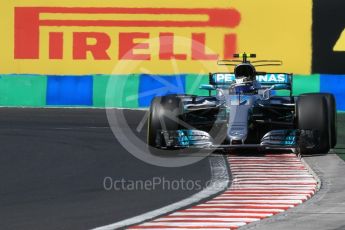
(340, 147)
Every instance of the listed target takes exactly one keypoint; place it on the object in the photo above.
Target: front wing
(276, 139)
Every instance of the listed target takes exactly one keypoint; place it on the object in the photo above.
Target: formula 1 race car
(243, 111)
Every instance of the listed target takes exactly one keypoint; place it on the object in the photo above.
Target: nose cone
(238, 134)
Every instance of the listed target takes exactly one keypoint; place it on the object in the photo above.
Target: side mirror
(280, 86)
(207, 87)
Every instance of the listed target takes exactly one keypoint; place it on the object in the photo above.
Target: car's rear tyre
(164, 115)
(312, 114)
(332, 116)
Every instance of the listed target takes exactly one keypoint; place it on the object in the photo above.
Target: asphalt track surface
(53, 163)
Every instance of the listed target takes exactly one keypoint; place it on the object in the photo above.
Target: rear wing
(265, 79)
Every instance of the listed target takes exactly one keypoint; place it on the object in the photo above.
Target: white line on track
(222, 197)
(198, 224)
(204, 218)
(205, 213)
(275, 176)
(269, 173)
(171, 228)
(278, 206)
(254, 211)
(262, 201)
(268, 192)
(281, 186)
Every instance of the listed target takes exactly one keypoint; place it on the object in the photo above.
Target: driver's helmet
(245, 71)
(245, 79)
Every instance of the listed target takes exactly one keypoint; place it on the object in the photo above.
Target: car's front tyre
(164, 115)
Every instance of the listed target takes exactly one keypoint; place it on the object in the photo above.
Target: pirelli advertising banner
(77, 37)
